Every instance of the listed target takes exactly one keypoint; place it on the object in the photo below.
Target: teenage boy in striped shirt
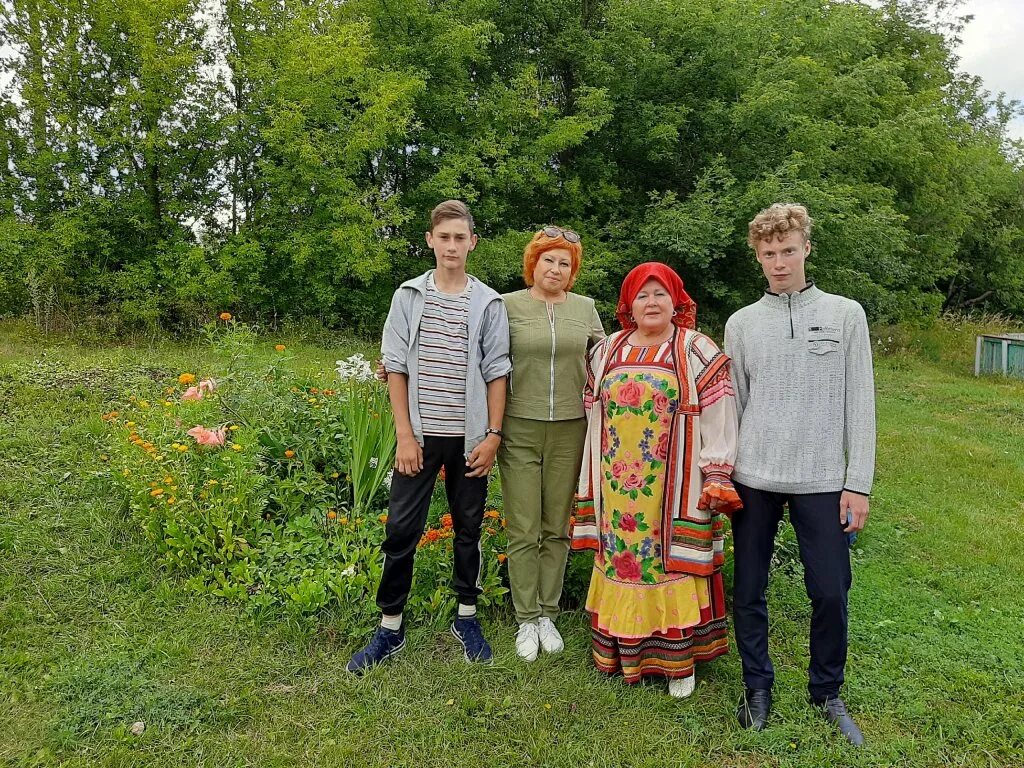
(446, 353)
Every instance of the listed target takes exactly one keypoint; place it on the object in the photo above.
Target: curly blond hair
(778, 220)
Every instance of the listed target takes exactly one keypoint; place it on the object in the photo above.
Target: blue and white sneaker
(384, 644)
(467, 631)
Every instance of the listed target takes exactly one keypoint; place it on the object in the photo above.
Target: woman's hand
(712, 503)
(408, 456)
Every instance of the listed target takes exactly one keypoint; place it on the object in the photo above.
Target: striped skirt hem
(670, 655)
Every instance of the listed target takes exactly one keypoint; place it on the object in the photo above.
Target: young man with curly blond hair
(801, 366)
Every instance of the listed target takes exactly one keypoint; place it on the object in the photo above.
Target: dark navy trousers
(825, 553)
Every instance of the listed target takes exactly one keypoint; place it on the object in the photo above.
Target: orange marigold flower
(280, 347)
(157, 492)
(502, 557)
(383, 518)
(504, 523)
(332, 515)
(441, 473)
(490, 531)
(314, 391)
(225, 316)
(446, 520)
(572, 519)
(430, 536)
(493, 514)
(187, 378)
(289, 453)
(342, 521)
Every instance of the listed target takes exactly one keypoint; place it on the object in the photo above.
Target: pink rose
(632, 481)
(660, 402)
(627, 523)
(204, 436)
(630, 394)
(618, 467)
(626, 565)
(661, 449)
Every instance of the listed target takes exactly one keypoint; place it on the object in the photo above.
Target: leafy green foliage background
(163, 158)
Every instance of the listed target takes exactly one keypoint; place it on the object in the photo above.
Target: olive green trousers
(540, 467)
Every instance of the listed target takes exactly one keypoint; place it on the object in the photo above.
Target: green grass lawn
(93, 636)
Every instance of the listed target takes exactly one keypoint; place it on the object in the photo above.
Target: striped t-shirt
(444, 352)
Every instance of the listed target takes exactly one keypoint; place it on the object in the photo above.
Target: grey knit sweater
(805, 393)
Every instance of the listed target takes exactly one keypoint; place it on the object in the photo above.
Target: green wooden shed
(1000, 353)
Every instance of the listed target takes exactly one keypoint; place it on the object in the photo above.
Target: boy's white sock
(466, 611)
(394, 623)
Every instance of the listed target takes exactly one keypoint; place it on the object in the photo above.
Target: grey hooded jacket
(488, 349)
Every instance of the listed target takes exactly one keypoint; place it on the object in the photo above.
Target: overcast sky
(993, 47)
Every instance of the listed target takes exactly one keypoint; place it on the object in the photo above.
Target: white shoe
(550, 640)
(682, 687)
(527, 642)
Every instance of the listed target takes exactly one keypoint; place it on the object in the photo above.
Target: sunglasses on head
(567, 234)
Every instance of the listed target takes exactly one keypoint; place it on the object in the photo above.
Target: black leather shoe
(755, 704)
(835, 712)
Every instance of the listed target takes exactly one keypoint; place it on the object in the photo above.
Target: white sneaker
(527, 642)
(550, 640)
(682, 687)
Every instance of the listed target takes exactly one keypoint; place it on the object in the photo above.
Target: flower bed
(264, 489)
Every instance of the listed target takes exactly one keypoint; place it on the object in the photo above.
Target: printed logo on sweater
(823, 339)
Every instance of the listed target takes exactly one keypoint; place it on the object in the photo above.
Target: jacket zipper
(551, 387)
(789, 300)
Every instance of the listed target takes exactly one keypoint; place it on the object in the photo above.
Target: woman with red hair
(655, 482)
(551, 330)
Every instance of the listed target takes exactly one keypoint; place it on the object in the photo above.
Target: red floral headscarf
(685, 315)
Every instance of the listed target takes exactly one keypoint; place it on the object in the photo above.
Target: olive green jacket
(549, 344)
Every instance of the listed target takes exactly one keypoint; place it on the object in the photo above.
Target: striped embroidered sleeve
(588, 389)
(719, 425)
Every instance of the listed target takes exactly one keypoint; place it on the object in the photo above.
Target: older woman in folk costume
(655, 482)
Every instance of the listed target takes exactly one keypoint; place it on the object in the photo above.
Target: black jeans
(407, 517)
(825, 553)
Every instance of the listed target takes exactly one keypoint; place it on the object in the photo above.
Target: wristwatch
(492, 431)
